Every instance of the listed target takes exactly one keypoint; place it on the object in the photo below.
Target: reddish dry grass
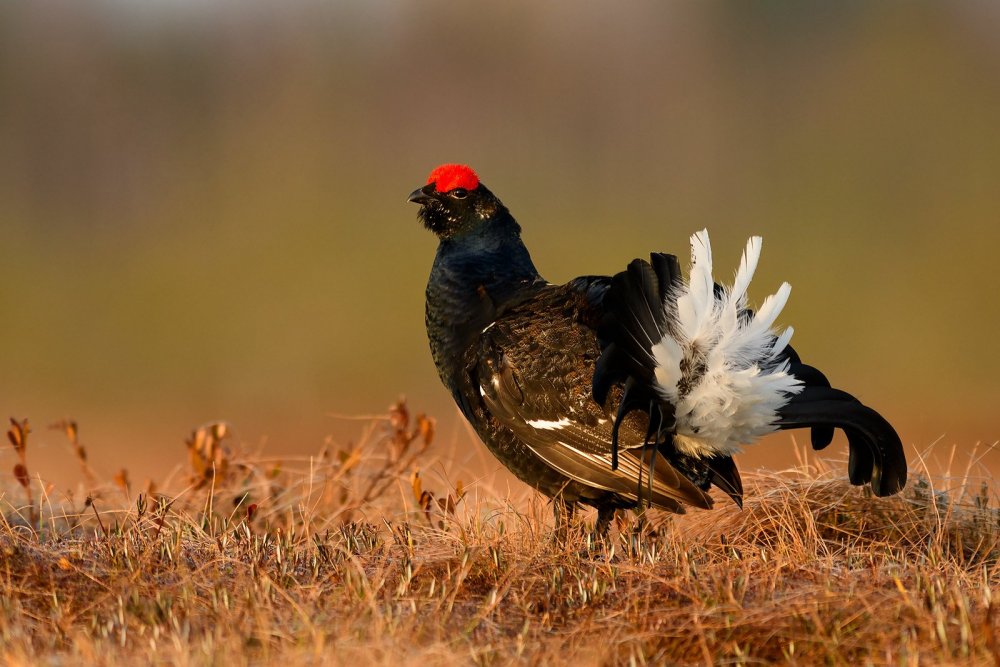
(351, 559)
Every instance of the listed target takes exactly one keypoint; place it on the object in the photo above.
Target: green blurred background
(203, 216)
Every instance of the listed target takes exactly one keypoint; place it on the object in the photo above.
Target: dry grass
(351, 559)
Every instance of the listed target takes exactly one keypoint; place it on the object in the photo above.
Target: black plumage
(558, 380)
(876, 453)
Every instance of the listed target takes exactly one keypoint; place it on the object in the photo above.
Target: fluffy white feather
(782, 342)
(668, 355)
(748, 266)
(720, 370)
(696, 303)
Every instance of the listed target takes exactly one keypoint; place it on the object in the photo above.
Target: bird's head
(454, 202)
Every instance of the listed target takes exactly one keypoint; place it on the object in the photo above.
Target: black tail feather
(634, 321)
(876, 452)
(861, 459)
(636, 308)
(820, 436)
(726, 476)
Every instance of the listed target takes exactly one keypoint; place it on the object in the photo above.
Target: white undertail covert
(719, 365)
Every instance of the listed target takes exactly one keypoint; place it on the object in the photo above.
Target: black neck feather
(474, 275)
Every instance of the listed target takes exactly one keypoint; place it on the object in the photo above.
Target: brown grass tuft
(350, 557)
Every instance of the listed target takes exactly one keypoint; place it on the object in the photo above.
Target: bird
(627, 391)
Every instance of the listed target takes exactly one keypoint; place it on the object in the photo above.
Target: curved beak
(422, 195)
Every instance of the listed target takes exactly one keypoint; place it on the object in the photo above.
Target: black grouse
(626, 390)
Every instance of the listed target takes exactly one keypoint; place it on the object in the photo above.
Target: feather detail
(748, 266)
(769, 311)
(694, 308)
(668, 355)
(719, 365)
(782, 342)
(720, 376)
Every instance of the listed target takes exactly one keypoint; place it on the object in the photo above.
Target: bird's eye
(459, 193)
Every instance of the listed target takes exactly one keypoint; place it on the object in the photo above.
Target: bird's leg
(605, 515)
(599, 536)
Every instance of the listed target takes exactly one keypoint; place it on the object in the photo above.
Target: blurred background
(203, 215)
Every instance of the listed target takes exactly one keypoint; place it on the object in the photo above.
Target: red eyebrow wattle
(447, 177)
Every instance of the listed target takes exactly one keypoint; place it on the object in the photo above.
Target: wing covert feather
(535, 366)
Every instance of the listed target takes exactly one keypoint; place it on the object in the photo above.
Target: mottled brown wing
(536, 364)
